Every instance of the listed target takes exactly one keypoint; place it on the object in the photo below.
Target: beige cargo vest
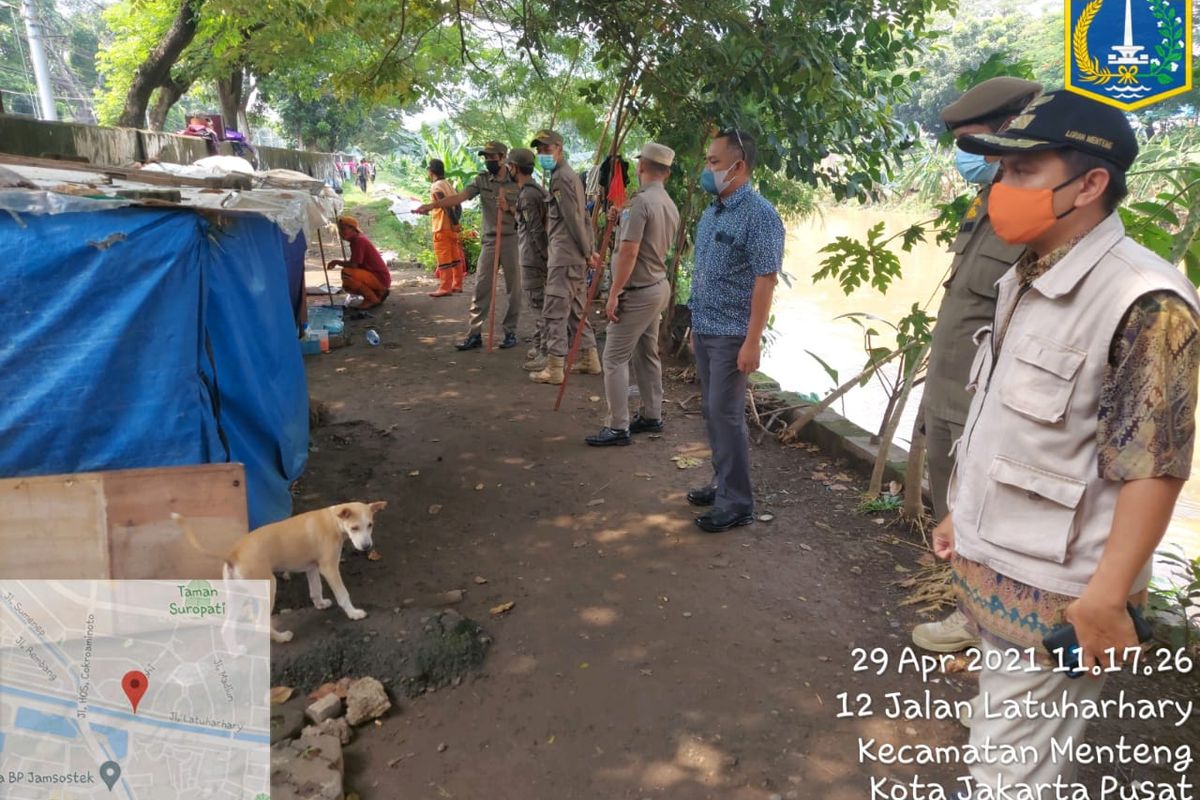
(1026, 495)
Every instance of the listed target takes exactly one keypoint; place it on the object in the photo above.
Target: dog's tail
(191, 537)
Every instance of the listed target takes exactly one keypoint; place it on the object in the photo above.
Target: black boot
(470, 343)
(642, 425)
(609, 437)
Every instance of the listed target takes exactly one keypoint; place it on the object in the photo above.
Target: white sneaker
(949, 635)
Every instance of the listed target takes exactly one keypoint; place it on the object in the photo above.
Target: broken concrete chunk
(366, 701)
(327, 707)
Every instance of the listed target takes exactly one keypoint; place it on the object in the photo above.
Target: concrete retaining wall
(171, 149)
(70, 140)
(121, 147)
(316, 165)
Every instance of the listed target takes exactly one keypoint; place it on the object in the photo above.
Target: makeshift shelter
(141, 333)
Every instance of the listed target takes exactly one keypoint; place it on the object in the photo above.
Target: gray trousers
(633, 339)
(723, 403)
(940, 435)
(482, 298)
(534, 280)
(1000, 685)
(566, 292)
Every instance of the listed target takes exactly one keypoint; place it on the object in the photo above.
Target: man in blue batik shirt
(739, 253)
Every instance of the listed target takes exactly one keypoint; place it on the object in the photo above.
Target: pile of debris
(306, 760)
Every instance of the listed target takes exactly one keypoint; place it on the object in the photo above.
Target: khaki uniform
(531, 232)
(652, 219)
(487, 188)
(569, 237)
(980, 259)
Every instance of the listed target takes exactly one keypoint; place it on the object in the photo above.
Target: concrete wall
(31, 137)
(170, 148)
(316, 165)
(120, 147)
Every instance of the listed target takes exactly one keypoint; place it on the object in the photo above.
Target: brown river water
(805, 320)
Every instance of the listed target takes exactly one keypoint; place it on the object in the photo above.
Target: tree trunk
(889, 433)
(157, 66)
(168, 95)
(230, 91)
(914, 473)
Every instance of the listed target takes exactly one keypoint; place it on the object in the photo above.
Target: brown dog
(310, 542)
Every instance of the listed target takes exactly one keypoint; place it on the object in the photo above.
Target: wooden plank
(118, 524)
(144, 542)
(53, 527)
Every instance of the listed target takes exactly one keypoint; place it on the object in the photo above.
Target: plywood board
(53, 527)
(118, 524)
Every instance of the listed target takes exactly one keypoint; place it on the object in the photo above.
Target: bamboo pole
(496, 269)
(325, 265)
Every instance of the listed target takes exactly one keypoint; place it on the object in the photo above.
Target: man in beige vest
(980, 258)
(571, 250)
(639, 294)
(495, 181)
(1080, 433)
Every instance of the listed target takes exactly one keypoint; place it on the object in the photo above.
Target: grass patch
(410, 242)
(882, 504)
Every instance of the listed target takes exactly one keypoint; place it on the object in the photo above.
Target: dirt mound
(409, 651)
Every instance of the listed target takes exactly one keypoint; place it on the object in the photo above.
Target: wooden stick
(325, 266)
(495, 272)
(587, 309)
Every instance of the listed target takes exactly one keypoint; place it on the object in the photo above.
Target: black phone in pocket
(1063, 639)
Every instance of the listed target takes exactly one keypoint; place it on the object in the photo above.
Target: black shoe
(702, 497)
(642, 425)
(609, 437)
(510, 340)
(716, 520)
(471, 342)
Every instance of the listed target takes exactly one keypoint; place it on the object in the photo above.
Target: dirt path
(642, 657)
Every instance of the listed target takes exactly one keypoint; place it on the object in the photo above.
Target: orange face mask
(1021, 215)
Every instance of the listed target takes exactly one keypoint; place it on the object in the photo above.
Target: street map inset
(137, 690)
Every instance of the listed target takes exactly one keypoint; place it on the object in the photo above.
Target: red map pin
(134, 683)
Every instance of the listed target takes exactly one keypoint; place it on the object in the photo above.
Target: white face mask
(722, 178)
(719, 180)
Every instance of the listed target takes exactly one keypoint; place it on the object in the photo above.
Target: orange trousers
(361, 281)
(451, 261)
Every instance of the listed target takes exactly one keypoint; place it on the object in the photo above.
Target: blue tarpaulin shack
(139, 336)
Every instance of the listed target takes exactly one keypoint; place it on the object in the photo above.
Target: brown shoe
(440, 293)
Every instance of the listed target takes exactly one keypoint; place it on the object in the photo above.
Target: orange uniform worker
(447, 247)
(365, 273)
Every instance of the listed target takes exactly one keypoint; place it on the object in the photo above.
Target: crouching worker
(365, 273)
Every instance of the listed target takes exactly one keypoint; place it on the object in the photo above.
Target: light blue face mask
(975, 168)
(713, 182)
(546, 161)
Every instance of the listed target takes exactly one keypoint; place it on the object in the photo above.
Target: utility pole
(37, 54)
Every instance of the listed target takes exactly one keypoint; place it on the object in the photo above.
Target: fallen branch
(790, 433)
(773, 417)
(753, 408)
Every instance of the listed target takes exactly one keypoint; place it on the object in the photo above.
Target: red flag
(616, 184)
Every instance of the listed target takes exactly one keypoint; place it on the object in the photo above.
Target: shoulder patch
(973, 209)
